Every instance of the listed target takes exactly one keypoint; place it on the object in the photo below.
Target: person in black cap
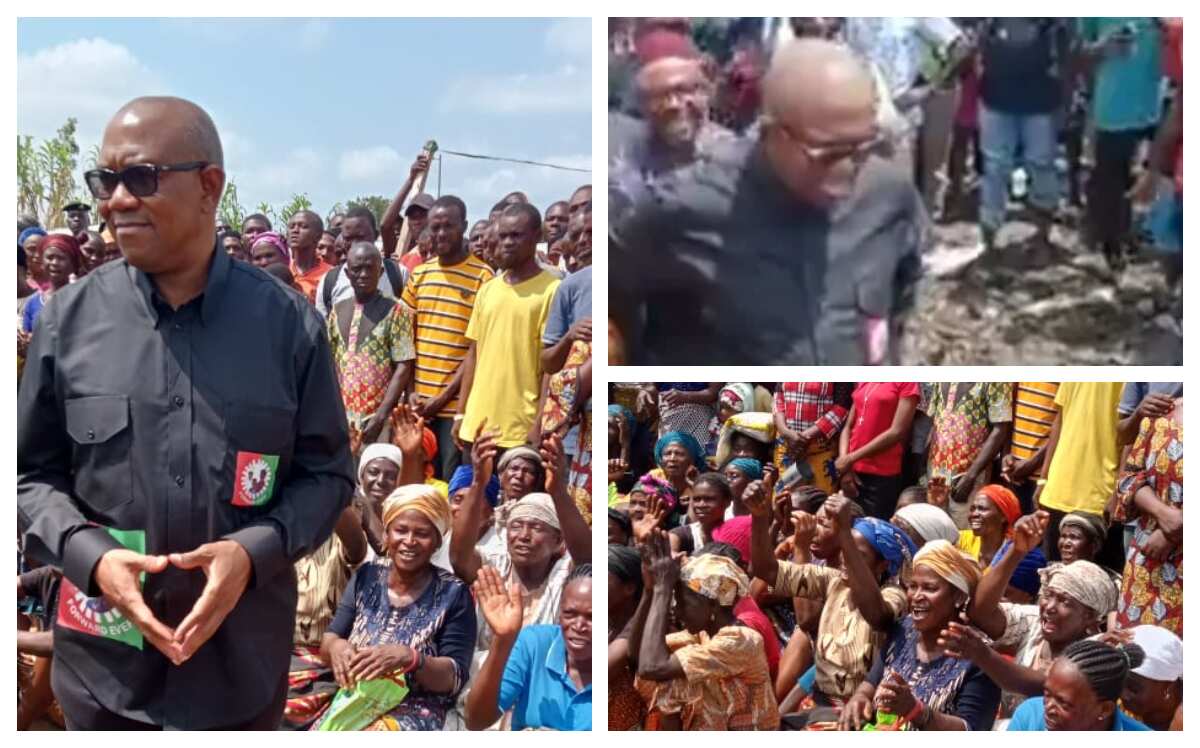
(418, 210)
(78, 218)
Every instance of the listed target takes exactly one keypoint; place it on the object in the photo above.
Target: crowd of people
(797, 162)
(895, 555)
(333, 475)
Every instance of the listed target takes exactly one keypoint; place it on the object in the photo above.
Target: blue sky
(336, 108)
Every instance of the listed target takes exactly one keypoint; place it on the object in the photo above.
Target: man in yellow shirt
(1080, 469)
(502, 374)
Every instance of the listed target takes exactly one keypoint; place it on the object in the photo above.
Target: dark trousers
(82, 712)
(448, 457)
(1108, 208)
(1025, 492)
(878, 494)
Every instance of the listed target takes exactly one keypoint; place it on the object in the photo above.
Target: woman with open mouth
(1072, 604)
(1082, 689)
(917, 679)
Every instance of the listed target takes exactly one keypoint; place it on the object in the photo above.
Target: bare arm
(391, 397)
(483, 702)
(575, 531)
(40, 643)
(1051, 447)
(637, 625)
(464, 559)
(844, 436)
(864, 588)
(349, 529)
(390, 222)
(655, 662)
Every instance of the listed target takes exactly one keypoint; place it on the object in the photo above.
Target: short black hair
(625, 564)
(94, 235)
(583, 571)
(717, 548)
(260, 217)
(557, 203)
(227, 233)
(527, 210)
(500, 206)
(718, 480)
(360, 211)
(313, 215)
(452, 201)
(333, 231)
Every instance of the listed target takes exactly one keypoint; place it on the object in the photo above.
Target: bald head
(814, 79)
(187, 132)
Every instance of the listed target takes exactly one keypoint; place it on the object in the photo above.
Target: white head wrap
(931, 522)
(388, 452)
(537, 506)
(1164, 653)
(1084, 582)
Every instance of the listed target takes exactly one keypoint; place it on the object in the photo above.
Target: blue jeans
(1001, 135)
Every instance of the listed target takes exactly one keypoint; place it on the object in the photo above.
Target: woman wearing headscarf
(1154, 690)
(626, 596)
(520, 472)
(654, 495)
(990, 518)
(926, 522)
(401, 616)
(735, 398)
(740, 472)
(382, 467)
(1072, 603)
(916, 678)
(680, 459)
(543, 533)
(1150, 492)
(269, 248)
(746, 435)
(60, 259)
(31, 241)
(859, 602)
(1081, 536)
(688, 407)
(542, 673)
(1082, 689)
(808, 419)
(871, 446)
(713, 675)
(489, 537)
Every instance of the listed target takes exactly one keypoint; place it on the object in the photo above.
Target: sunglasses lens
(140, 180)
(101, 183)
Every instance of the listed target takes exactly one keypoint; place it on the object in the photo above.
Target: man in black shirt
(794, 247)
(180, 443)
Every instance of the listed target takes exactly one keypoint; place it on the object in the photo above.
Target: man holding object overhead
(174, 490)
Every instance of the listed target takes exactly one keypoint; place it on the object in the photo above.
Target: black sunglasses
(141, 179)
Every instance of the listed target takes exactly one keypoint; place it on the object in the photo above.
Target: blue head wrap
(1026, 577)
(689, 443)
(888, 541)
(750, 468)
(620, 411)
(462, 479)
(31, 231)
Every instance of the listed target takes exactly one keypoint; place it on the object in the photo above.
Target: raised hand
(554, 461)
(756, 500)
(839, 509)
(117, 575)
(1029, 530)
(409, 431)
(770, 478)
(227, 566)
(483, 454)
(419, 166)
(617, 470)
(805, 528)
(664, 568)
(502, 608)
(650, 521)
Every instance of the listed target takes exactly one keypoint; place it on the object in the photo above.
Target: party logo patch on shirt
(254, 478)
(93, 615)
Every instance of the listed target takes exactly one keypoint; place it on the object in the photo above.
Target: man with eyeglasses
(795, 246)
(180, 442)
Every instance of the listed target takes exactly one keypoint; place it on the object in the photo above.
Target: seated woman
(713, 675)
(1081, 537)
(620, 527)
(711, 497)
(740, 472)
(916, 678)
(925, 522)
(650, 492)
(858, 606)
(1154, 690)
(402, 613)
(520, 472)
(990, 517)
(457, 488)
(680, 460)
(1081, 691)
(542, 673)
(542, 534)
(626, 707)
(1072, 603)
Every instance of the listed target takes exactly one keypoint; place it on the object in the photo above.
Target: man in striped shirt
(441, 293)
(1033, 418)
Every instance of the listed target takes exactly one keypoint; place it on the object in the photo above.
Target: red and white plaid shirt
(821, 404)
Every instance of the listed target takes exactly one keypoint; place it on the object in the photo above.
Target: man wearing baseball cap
(78, 217)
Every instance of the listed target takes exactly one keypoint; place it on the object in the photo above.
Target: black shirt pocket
(255, 429)
(102, 440)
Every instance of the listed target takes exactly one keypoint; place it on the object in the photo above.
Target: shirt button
(178, 401)
(179, 480)
(91, 434)
(178, 326)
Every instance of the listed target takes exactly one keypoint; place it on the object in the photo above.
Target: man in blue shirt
(542, 673)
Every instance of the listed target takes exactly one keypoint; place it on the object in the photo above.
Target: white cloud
(365, 164)
(566, 90)
(88, 79)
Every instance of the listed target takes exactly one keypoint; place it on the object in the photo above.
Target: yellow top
(1084, 470)
(1033, 417)
(506, 326)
